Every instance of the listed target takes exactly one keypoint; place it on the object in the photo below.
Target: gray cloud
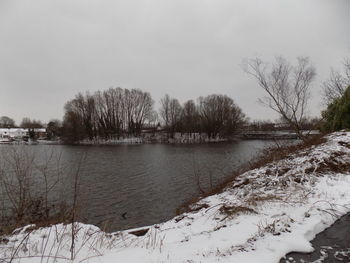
(50, 50)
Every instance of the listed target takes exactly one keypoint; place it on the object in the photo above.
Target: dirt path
(331, 245)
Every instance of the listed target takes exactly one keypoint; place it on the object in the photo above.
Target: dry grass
(230, 211)
(255, 199)
(333, 165)
(281, 152)
(23, 202)
(345, 144)
(9, 223)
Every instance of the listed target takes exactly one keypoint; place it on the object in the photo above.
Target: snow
(179, 138)
(131, 140)
(263, 215)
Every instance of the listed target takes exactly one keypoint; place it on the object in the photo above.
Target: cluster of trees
(107, 114)
(28, 123)
(120, 112)
(215, 115)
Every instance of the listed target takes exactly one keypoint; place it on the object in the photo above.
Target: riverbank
(260, 217)
(198, 138)
(178, 138)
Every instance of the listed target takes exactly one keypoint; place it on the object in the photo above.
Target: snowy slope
(263, 215)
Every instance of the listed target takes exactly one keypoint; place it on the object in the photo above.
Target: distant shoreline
(178, 139)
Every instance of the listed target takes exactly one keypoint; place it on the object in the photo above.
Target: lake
(127, 186)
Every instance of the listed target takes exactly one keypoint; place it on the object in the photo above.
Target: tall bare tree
(287, 87)
(338, 81)
(143, 105)
(190, 117)
(170, 112)
(73, 127)
(110, 110)
(165, 110)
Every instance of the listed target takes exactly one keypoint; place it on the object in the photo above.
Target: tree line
(117, 112)
(27, 123)
(120, 112)
(107, 114)
(215, 115)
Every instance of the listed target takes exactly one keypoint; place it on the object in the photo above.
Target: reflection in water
(135, 185)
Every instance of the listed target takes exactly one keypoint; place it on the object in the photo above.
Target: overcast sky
(52, 49)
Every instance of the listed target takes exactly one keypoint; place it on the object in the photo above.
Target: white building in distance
(13, 133)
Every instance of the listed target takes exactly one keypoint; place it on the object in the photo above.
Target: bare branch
(287, 87)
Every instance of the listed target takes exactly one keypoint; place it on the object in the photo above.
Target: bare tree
(165, 110)
(170, 112)
(21, 172)
(153, 119)
(175, 115)
(31, 124)
(110, 112)
(347, 68)
(220, 115)
(79, 117)
(16, 180)
(73, 127)
(335, 86)
(287, 87)
(6, 122)
(190, 117)
(143, 105)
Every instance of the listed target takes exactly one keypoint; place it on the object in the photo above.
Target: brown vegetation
(254, 199)
(230, 211)
(23, 202)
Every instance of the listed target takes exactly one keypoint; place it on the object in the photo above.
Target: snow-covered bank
(131, 140)
(263, 215)
(178, 139)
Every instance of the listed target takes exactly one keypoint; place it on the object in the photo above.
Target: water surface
(128, 186)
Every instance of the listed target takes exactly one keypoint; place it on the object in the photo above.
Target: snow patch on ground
(263, 215)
